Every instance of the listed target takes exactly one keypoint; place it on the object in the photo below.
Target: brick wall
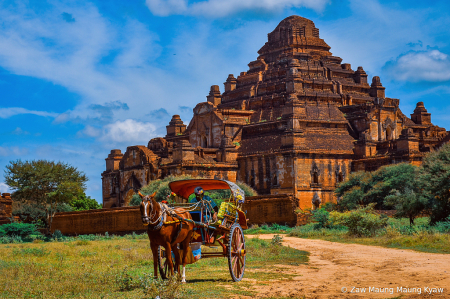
(5, 208)
(271, 209)
(260, 209)
(114, 221)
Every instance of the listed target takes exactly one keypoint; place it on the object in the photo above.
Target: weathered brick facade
(5, 208)
(298, 121)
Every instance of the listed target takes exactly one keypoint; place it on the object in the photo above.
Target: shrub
(360, 222)
(276, 240)
(57, 235)
(12, 239)
(443, 226)
(322, 218)
(21, 230)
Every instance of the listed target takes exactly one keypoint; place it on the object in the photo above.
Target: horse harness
(162, 217)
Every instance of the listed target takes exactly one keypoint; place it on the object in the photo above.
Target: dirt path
(335, 267)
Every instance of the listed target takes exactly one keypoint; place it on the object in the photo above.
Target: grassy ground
(122, 267)
(398, 234)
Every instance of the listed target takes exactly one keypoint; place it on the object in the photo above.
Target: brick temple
(297, 121)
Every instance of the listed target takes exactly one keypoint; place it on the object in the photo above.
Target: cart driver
(199, 195)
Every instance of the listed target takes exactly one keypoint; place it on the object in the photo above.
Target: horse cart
(224, 231)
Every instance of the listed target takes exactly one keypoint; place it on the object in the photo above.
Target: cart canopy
(184, 188)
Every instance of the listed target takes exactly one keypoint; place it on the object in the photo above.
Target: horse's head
(146, 207)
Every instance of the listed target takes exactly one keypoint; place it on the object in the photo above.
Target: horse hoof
(183, 281)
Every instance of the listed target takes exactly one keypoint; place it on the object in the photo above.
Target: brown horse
(154, 215)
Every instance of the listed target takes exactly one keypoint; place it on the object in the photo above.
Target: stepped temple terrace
(298, 121)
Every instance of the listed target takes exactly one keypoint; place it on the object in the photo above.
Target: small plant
(125, 281)
(57, 235)
(236, 143)
(276, 240)
(61, 257)
(169, 288)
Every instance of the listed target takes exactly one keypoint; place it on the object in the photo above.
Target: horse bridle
(148, 218)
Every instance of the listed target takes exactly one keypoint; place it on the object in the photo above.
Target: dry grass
(123, 268)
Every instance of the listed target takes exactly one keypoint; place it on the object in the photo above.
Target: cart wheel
(163, 263)
(236, 252)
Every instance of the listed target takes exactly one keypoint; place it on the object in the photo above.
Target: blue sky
(79, 78)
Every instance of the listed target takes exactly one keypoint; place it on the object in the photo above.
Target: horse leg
(185, 254)
(177, 254)
(169, 256)
(155, 260)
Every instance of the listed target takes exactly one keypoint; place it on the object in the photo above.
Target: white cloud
(375, 32)
(431, 66)
(90, 56)
(4, 188)
(6, 151)
(90, 131)
(220, 8)
(128, 131)
(12, 111)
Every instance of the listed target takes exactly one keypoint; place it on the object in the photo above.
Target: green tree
(435, 181)
(44, 185)
(82, 202)
(409, 203)
(351, 193)
(363, 188)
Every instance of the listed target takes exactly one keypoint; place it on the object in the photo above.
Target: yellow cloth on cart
(227, 209)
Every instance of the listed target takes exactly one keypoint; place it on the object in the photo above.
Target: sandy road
(368, 271)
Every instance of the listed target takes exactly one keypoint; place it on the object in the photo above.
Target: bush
(12, 239)
(443, 226)
(360, 222)
(276, 240)
(57, 235)
(21, 230)
(322, 218)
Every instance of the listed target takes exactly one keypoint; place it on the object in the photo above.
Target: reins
(165, 210)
